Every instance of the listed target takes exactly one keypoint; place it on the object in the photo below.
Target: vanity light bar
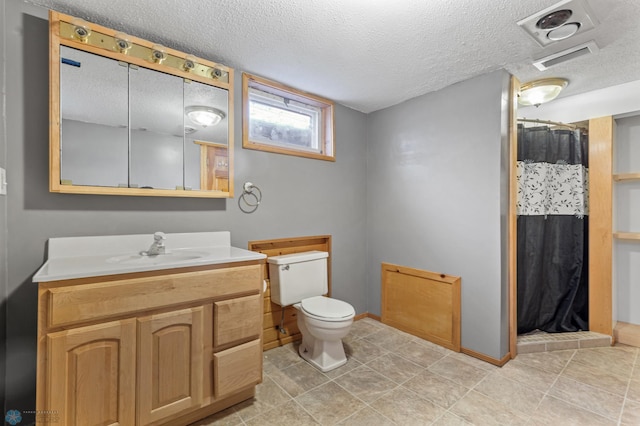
(155, 54)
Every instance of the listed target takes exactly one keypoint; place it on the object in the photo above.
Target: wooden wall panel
(423, 303)
(271, 337)
(601, 134)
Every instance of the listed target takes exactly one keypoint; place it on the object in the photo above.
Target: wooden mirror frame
(173, 63)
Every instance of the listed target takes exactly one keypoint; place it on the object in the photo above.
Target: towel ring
(250, 204)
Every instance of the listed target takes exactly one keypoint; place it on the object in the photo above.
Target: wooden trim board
(601, 137)
(628, 334)
(422, 303)
(627, 235)
(485, 358)
(513, 217)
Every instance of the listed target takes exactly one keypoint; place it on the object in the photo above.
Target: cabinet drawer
(85, 302)
(237, 319)
(237, 368)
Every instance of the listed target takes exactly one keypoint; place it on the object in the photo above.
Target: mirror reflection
(94, 140)
(157, 129)
(138, 126)
(206, 156)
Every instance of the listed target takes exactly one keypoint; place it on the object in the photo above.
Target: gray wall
(420, 184)
(436, 193)
(301, 197)
(626, 265)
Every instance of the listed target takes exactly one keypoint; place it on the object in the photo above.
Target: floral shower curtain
(552, 230)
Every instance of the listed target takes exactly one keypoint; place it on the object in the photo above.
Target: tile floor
(393, 378)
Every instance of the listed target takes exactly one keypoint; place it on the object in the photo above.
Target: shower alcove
(598, 268)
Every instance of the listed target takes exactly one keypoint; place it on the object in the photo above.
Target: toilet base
(324, 355)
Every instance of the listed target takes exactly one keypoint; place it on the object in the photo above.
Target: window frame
(325, 118)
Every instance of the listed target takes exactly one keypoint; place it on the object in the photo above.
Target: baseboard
(486, 358)
(367, 315)
(361, 316)
(627, 334)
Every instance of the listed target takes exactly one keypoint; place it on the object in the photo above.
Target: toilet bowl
(323, 323)
(300, 279)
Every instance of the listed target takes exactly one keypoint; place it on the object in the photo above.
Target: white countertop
(80, 257)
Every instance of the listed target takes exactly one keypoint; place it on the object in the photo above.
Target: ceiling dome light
(204, 115)
(540, 91)
(564, 31)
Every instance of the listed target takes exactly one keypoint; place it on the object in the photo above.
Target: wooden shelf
(626, 176)
(627, 235)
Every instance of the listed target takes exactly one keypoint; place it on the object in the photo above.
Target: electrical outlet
(3, 181)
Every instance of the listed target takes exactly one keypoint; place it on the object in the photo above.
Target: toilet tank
(297, 276)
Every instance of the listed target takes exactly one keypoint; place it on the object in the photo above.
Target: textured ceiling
(371, 54)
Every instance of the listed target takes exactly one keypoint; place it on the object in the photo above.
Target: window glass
(286, 121)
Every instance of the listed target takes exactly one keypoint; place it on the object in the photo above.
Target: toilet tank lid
(298, 257)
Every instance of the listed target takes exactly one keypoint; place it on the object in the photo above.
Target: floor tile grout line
(306, 411)
(569, 402)
(346, 390)
(427, 369)
(368, 404)
(293, 398)
(424, 368)
(235, 409)
(528, 416)
(624, 401)
(389, 378)
(363, 408)
(446, 410)
(554, 382)
(582, 408)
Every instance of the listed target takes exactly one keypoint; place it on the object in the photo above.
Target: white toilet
(300, 280)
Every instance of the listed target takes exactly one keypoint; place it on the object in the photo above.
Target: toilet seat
(326, 309)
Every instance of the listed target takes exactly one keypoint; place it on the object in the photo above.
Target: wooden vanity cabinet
(152, 348)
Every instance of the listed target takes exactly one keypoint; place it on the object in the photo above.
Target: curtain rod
(555, 123)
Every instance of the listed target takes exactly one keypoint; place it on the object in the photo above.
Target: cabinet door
(237, 368)
(170, 350)
(91, 374)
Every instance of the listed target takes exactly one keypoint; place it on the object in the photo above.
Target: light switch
(3, 181)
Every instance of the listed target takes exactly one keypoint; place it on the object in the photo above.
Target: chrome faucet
(158, 245)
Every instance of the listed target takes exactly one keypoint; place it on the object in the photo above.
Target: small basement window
(280, 119)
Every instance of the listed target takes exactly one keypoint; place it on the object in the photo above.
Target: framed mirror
(129, 117)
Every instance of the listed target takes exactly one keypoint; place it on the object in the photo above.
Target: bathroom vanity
(128, 339)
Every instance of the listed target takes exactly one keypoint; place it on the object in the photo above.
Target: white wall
(437, 170)
(3, 218)
(626, 210)
(615, 100)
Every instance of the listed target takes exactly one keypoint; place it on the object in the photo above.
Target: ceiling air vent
(559, 22)
(566, 55)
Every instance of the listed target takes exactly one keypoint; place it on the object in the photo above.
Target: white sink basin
(81, 257)
(161, 259)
